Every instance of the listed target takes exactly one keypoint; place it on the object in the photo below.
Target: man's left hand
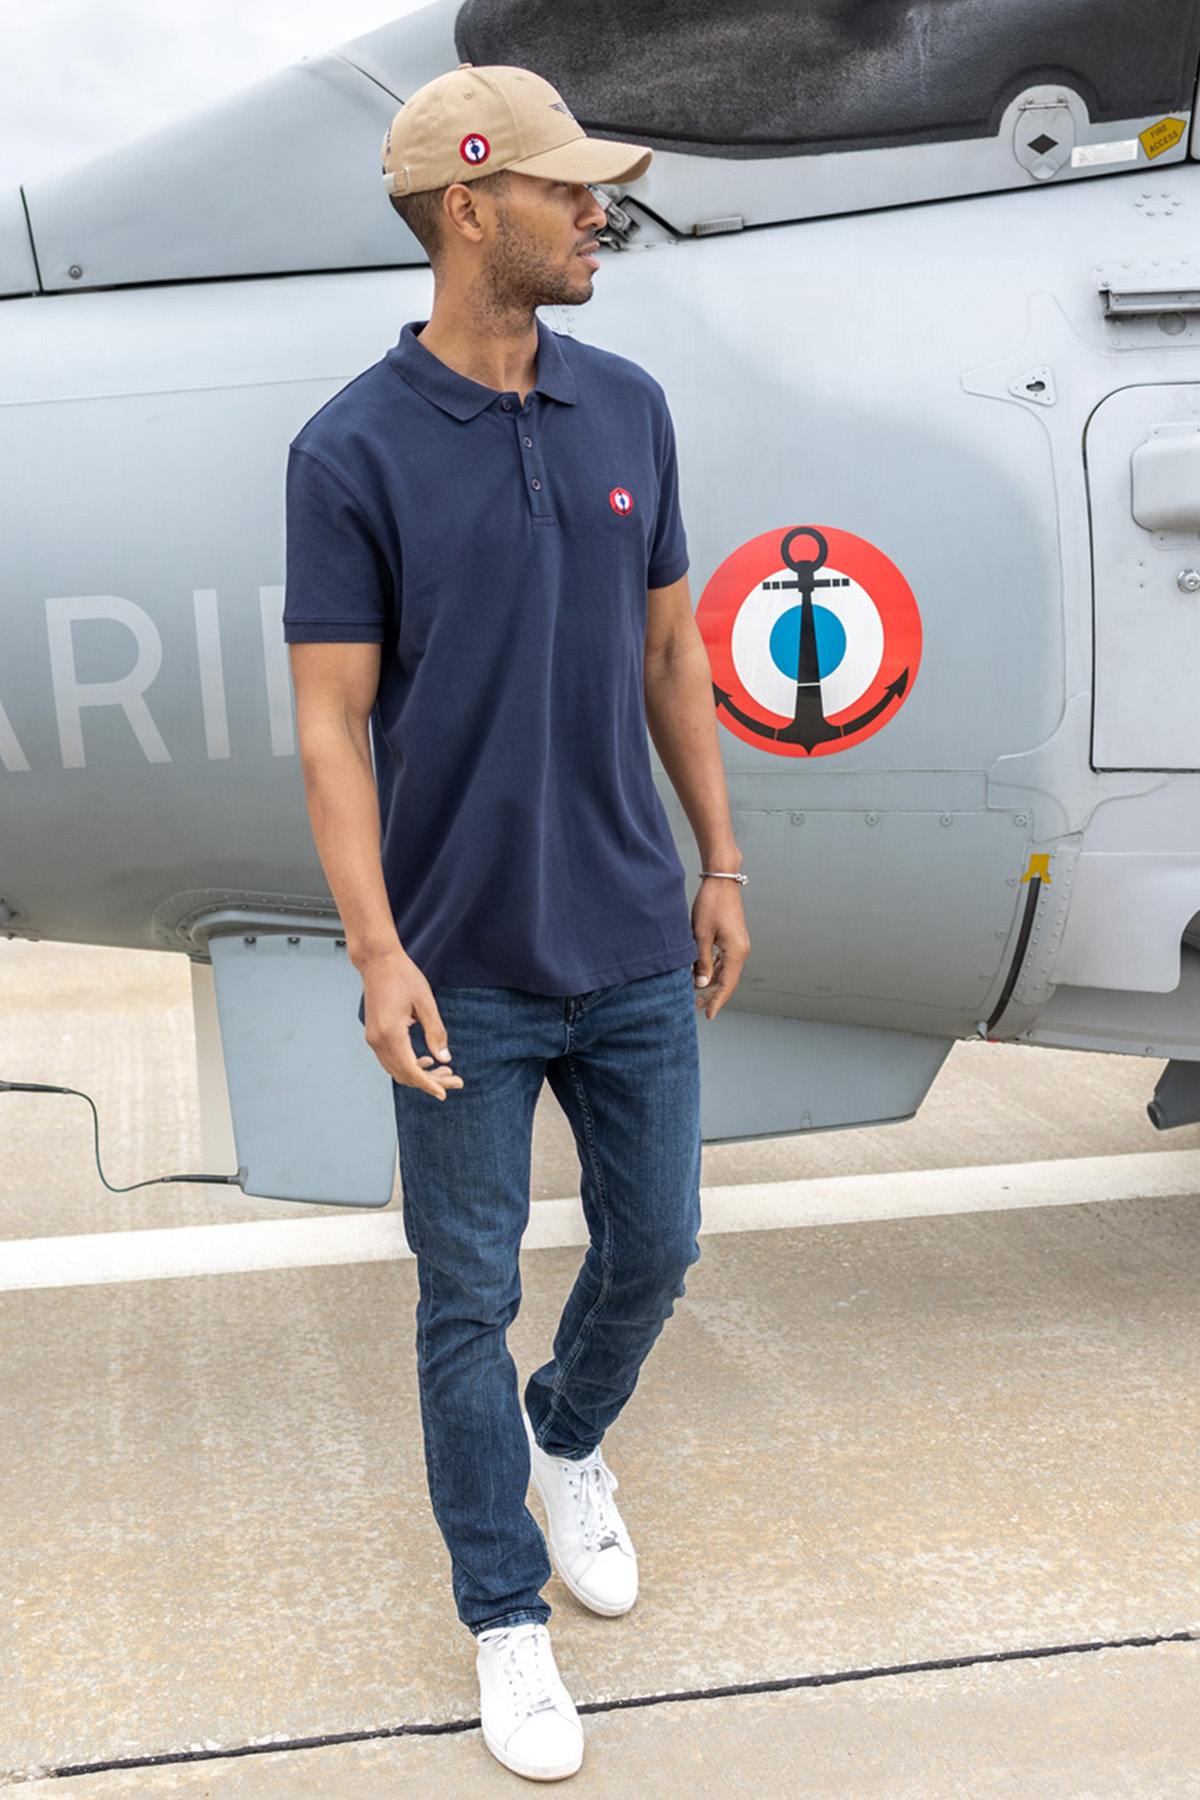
(719, 925)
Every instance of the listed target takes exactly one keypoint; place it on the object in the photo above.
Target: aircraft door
(1142, 448)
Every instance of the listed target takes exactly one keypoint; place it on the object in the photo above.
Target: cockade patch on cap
(475, 148)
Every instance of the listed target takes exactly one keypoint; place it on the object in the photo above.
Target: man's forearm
(683, 726)
(343, 809)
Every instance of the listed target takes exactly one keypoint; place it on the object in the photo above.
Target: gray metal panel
(1147, 628)
(1129, 910)
(178, 624)
(700, 194)
(18, 273)
(280, 177)
(1128, 1023)
(311, 1103)
(909, 910)
(1166, 480)
(765, 1076)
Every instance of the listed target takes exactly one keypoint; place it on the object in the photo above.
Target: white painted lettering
(71, 695)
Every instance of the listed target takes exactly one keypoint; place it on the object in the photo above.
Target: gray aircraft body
(923, 289)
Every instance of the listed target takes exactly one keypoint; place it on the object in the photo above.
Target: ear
(461, 209)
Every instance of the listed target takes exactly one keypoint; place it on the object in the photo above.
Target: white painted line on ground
(360, 1236)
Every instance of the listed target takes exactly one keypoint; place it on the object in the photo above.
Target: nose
(601, 200)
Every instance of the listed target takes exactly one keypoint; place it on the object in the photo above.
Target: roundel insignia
(621, 500)
(475, 148)
(813, 640)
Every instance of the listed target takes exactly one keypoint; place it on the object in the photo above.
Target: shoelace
(523, 1658)
(593, 1483)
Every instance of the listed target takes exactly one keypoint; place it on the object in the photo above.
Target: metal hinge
(618, 227)
(1135, 289)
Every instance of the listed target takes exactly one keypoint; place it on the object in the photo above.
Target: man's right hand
(395, 994)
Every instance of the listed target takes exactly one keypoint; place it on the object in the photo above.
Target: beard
(517, 276)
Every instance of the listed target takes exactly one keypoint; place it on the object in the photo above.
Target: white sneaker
(529, 1719)
(591, 1548)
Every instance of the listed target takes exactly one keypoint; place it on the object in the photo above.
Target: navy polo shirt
(500, 553)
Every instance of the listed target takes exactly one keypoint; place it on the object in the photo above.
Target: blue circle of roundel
(785, 641)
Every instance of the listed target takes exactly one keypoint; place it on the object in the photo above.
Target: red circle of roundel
(621, 501)
(738, 632)
(480, 156)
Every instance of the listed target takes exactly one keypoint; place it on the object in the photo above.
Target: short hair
(422, 212)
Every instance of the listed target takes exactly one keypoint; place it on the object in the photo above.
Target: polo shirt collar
(458, 394)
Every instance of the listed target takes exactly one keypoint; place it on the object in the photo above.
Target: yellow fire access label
(1163, 136)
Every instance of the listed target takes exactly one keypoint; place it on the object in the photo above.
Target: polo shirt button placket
(539, 509)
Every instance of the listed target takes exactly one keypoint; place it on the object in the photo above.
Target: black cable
(40, 1087)
(1031, 900)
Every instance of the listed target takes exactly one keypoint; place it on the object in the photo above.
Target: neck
(484, 341)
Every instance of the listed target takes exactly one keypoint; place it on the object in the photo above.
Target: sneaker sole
(606, 1612)
(558, 1773)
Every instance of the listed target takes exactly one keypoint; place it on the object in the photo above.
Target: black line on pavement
(448, 1726)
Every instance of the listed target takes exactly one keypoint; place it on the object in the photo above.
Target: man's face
(534, 254)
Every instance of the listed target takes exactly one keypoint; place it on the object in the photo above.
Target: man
(486, 559)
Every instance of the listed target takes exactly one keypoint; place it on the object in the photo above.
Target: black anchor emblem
(809, 726)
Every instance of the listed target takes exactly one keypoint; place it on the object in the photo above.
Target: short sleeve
(337, 586)
(668, 558)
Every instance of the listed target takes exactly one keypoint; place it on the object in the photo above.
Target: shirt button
(535, 482)
(528, 443)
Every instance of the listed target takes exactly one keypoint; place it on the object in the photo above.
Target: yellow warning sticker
(1039, 867)
(1163, 136)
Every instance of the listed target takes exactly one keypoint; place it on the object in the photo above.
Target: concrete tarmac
(917, 1500)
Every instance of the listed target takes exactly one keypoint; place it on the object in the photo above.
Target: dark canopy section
(766, 78)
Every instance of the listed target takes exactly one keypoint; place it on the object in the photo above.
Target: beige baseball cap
(475, 121)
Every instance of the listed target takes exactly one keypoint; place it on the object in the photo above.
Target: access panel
(310, 1102)
(1142, 447)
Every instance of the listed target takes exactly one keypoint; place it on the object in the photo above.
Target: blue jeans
(623, 1063)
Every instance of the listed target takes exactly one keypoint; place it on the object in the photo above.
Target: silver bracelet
(728, 875)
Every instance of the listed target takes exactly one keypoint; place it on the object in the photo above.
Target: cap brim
(587, 159)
